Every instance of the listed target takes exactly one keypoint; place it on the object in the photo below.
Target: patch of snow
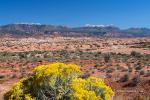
(92, 25)
(29, 23)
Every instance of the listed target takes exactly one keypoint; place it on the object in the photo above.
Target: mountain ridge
(89, 31)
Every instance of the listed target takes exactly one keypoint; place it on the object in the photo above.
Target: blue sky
(122, 13)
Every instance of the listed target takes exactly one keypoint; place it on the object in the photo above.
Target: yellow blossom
(58, 81)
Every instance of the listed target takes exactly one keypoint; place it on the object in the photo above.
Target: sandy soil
(85, 44)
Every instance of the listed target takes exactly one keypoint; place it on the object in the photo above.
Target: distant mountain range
(21, 30)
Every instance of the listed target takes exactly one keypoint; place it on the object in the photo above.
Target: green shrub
(2, 76)
(96, 65)
(125, 78)
(142, 72)
(107, 58)
(12, 75)
(147, 74)
(135, 54)
(130, 69)
(110, 70)
(138, 67)
(135, 80)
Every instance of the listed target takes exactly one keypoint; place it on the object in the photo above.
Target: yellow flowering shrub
(59, 81)
(90, 89)
(28, 97)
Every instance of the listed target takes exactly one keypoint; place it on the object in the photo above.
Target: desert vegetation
(59, 81)
(123, 72)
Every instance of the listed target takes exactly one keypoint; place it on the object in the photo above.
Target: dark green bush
(125, 78)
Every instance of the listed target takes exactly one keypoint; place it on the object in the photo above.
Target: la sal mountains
(21, 30)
